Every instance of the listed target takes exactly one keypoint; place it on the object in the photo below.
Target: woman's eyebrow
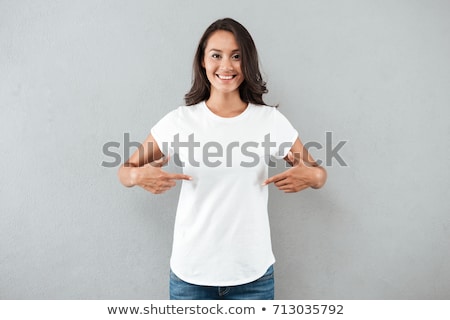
(217, 50)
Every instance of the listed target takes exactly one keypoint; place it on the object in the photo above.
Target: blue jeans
(260, 289)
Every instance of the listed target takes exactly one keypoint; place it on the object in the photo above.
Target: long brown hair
(253, 86)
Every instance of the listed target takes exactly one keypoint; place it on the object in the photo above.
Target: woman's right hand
(143, 170)
(153, 178)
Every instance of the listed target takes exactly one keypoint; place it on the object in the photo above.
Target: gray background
(75, 75)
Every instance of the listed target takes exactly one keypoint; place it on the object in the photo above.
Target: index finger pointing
(178, 176)
(274, 178)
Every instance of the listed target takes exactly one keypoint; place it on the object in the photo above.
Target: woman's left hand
(300, 177)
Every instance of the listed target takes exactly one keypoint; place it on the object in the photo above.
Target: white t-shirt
(222, 233)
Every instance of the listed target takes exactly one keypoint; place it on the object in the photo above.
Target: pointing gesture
(144, 169)
(294, 179)
(153, 178)
(305, 172)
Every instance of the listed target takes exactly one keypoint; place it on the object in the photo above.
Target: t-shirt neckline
(226, 119)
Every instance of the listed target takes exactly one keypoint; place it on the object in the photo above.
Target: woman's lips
(225, 77)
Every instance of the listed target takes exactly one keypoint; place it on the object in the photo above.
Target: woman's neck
(226, 105)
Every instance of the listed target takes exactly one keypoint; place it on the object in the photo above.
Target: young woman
(223, 138)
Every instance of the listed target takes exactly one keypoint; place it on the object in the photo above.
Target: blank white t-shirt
(222, 233)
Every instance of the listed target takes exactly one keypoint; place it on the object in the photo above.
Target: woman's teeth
(225, 77)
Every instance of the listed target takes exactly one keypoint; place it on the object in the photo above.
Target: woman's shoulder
(263, 109)
(184, 109)
(183, 112)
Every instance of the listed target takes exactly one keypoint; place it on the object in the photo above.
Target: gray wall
(75, 75)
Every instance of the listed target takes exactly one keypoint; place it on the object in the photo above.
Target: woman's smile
(222, 63)
(226, 77)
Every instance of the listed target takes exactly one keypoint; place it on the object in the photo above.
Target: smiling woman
(221, 245)
(223, 63)
(231, 36)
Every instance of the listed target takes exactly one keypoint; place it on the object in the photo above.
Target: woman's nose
(226, 65)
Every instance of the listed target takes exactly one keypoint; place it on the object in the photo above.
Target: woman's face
(222, 62)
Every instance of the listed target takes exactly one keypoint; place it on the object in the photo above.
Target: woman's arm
(305, 171)
(144, 169)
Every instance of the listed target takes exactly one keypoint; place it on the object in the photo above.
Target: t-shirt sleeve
(284, 133)
(164, 132)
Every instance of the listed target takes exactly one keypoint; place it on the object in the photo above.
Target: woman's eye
(236, 57)
(215, 56)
